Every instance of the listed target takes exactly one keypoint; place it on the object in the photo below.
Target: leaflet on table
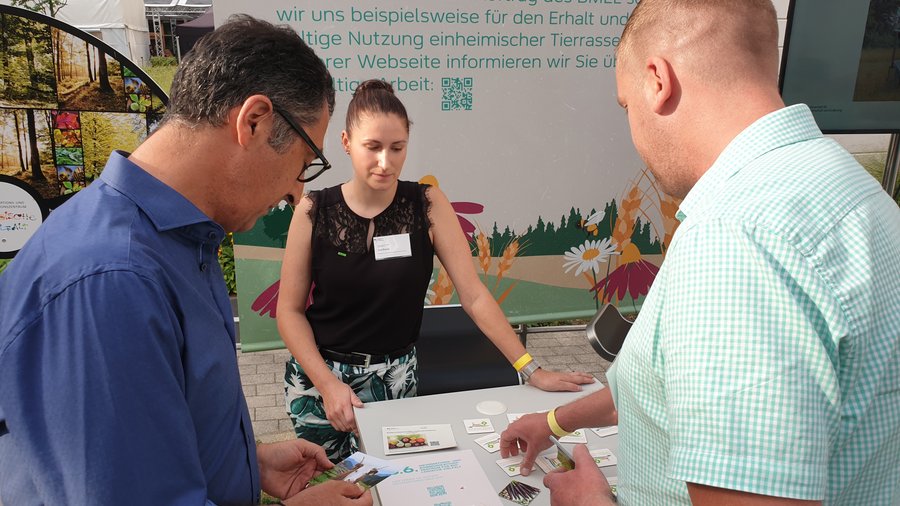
(441, 478)
(417, 438)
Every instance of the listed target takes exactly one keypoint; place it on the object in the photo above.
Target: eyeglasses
(315, 168)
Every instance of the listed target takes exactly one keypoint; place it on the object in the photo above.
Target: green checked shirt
(766, 357)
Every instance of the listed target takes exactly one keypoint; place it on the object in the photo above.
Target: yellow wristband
(522, 362)
(554, 425)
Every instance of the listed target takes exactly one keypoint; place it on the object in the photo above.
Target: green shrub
(163, 61)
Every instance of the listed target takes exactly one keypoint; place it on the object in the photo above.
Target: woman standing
(367, 248)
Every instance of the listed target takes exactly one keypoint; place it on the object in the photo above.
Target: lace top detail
(347, 231)
(359, 303)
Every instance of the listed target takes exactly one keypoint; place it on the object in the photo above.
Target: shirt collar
(166, 208)
(774, 130)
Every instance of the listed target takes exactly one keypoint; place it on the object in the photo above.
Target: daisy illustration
(589, 256)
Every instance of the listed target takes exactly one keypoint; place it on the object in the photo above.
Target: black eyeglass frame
(323, 162)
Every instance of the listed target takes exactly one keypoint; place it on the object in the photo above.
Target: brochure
(454, 478)
(363, 470)
(417, 438)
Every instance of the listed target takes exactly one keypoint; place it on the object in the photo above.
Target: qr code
(457, 93)
(436, 491)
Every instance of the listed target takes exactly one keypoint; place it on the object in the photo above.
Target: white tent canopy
(120, 23)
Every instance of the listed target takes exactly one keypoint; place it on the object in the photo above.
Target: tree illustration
(104, 72)
(36, 173)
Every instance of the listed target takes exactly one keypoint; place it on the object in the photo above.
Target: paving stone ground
(262, 375)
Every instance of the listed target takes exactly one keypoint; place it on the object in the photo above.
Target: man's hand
(339, 400)
(287, 466)
(529, 434)
(551, 381)
(583, 486)
(332, 493)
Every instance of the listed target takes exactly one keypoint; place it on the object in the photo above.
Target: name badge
(392, 246)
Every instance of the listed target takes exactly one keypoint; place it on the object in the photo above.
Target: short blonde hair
(725, 37)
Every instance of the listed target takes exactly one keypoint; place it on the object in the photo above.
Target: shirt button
(203, 267)
(212, 235)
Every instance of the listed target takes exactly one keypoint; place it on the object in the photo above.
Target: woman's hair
(374, 97)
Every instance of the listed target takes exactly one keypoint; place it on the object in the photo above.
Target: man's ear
(254, 118)
(658, 83)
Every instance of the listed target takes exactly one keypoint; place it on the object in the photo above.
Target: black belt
(364, 359)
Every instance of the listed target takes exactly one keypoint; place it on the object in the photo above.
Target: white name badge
(392, 246)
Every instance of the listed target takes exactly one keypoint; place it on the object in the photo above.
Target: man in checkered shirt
(764, 367)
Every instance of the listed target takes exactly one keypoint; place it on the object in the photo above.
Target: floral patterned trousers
(378, 382)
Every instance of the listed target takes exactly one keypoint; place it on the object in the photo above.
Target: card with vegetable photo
(417, 438)
(364, 471)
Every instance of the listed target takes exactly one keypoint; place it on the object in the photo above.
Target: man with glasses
(118, 376)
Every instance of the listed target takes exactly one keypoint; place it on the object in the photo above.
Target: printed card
(606, 431)
(578, 436)
(548, 460)
(512, 417)
(417, 438)
(511, 465)
(478, 426)
(365, 471)
(491, 442)
(519, 493)
(603, 457)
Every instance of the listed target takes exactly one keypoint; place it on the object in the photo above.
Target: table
(453, 408)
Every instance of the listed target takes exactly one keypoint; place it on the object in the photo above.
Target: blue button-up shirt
(118, 375)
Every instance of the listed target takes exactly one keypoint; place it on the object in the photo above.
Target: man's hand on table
(529, 434)
(583, 486)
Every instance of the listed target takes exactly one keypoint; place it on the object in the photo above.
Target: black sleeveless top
(360, 304)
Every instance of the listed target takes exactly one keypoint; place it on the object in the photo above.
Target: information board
(515, 117)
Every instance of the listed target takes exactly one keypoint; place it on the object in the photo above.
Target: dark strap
(364, 359)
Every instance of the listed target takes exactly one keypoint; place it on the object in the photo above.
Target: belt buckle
(368, 361)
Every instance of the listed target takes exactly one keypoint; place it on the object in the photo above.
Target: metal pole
(889, 181)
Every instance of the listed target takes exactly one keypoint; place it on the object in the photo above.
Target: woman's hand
(551, 381)
(339, 401)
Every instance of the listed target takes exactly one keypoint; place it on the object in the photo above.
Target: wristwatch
(528, 369)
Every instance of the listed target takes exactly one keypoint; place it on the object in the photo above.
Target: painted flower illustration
(460, 208)
(633, 276)
(588, 256)
(267, 301)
